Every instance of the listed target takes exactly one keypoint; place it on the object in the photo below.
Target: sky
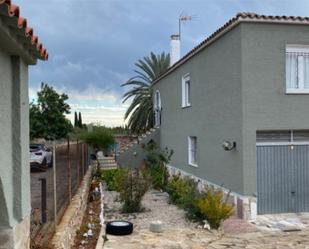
(93, 44)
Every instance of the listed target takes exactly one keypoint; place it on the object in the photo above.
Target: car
(40, 156)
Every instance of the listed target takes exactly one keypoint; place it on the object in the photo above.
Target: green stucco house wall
(248, 86)
(18, 49)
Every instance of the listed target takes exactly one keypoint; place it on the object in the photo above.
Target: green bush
(183, 192)
(156, 160)
(213, 207)
(112, 177)
(132, 186)
(101, 138)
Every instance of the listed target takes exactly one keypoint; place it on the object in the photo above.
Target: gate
(283, 178)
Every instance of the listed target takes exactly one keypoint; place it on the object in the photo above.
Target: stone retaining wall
(73, 216)
(245, 206)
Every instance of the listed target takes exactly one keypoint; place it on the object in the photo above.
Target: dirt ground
(91, 220)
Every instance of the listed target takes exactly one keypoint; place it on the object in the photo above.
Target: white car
(40, 156)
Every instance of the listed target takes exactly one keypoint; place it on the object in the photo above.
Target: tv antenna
(183, 18)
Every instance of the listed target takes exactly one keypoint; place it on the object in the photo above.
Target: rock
(156, 226)
(90, 233)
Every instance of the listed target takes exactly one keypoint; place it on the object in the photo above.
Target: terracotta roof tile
(240, 17)
(12, 11)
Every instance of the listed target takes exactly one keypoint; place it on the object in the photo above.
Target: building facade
(18, 49)
(235, 112)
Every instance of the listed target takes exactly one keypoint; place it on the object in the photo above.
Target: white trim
(299, 51)
(185, 98)
(281, 143)
(297, 48)
(190, 149)
(157, 104)
(296, 91)
(193, 165)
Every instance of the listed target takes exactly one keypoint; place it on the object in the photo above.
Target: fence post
(69, 172)
(55, 182)
(86, 157)
(43, 200)
(78, 159)
(83, 159)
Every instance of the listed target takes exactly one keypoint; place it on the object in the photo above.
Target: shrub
(183, 192)
(132, 186)
(156, 160)
(101, 138)
(112, 177)
(213, 207)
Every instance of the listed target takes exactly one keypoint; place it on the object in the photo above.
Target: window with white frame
(157, 108)
(297, 69)
(192, 150)
(185, 89)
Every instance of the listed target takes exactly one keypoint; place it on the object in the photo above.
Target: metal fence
(52, 188)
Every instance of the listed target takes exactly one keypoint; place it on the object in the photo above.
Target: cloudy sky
(93, 44)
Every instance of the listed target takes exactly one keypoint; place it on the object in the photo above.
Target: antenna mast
(183, 19)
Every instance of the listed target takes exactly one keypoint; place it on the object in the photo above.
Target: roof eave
(216, 35)
(12, 44)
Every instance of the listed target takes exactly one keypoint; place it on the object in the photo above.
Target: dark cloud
(96, 42)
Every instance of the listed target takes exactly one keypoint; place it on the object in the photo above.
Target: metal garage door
(283, 172)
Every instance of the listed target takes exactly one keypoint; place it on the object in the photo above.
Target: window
(157, 109)
(297, 69)
(192, 151)
(186, 91)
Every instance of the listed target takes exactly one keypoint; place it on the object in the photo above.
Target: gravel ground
(181, 234)
(156, 207)
(178, 231)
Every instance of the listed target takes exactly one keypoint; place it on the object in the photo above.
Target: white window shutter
(183, 92)
(189, 150)
(300, 69)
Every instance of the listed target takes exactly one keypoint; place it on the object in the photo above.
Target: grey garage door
(282, 178)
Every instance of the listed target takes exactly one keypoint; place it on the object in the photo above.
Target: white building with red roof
(19, 48)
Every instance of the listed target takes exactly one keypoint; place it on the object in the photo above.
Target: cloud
(94, 44)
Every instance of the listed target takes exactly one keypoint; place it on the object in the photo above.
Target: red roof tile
(240, 17)
(12, 11)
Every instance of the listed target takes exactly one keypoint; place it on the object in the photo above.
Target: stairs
(107, 162)
(132, 155)
(137, 141)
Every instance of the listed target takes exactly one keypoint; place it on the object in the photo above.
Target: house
(235, 110)
(19, 48)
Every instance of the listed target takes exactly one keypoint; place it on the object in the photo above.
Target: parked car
(40, 156)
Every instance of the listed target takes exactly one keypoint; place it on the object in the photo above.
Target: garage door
(282, 171)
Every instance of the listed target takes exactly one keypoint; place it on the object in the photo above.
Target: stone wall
(133, 157)
(245, 206)
(124, 140)
(73, 216)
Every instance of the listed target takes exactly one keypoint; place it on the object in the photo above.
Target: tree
(75, 120)
(47, 115)
(140, 113)
(80, 122)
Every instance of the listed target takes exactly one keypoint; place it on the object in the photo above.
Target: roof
(10, 16)
(239, 18)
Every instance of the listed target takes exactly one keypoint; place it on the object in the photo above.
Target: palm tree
(140, 113)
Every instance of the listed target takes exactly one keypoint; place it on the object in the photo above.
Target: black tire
(119, 227)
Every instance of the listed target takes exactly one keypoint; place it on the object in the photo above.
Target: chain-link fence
(53, 185)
